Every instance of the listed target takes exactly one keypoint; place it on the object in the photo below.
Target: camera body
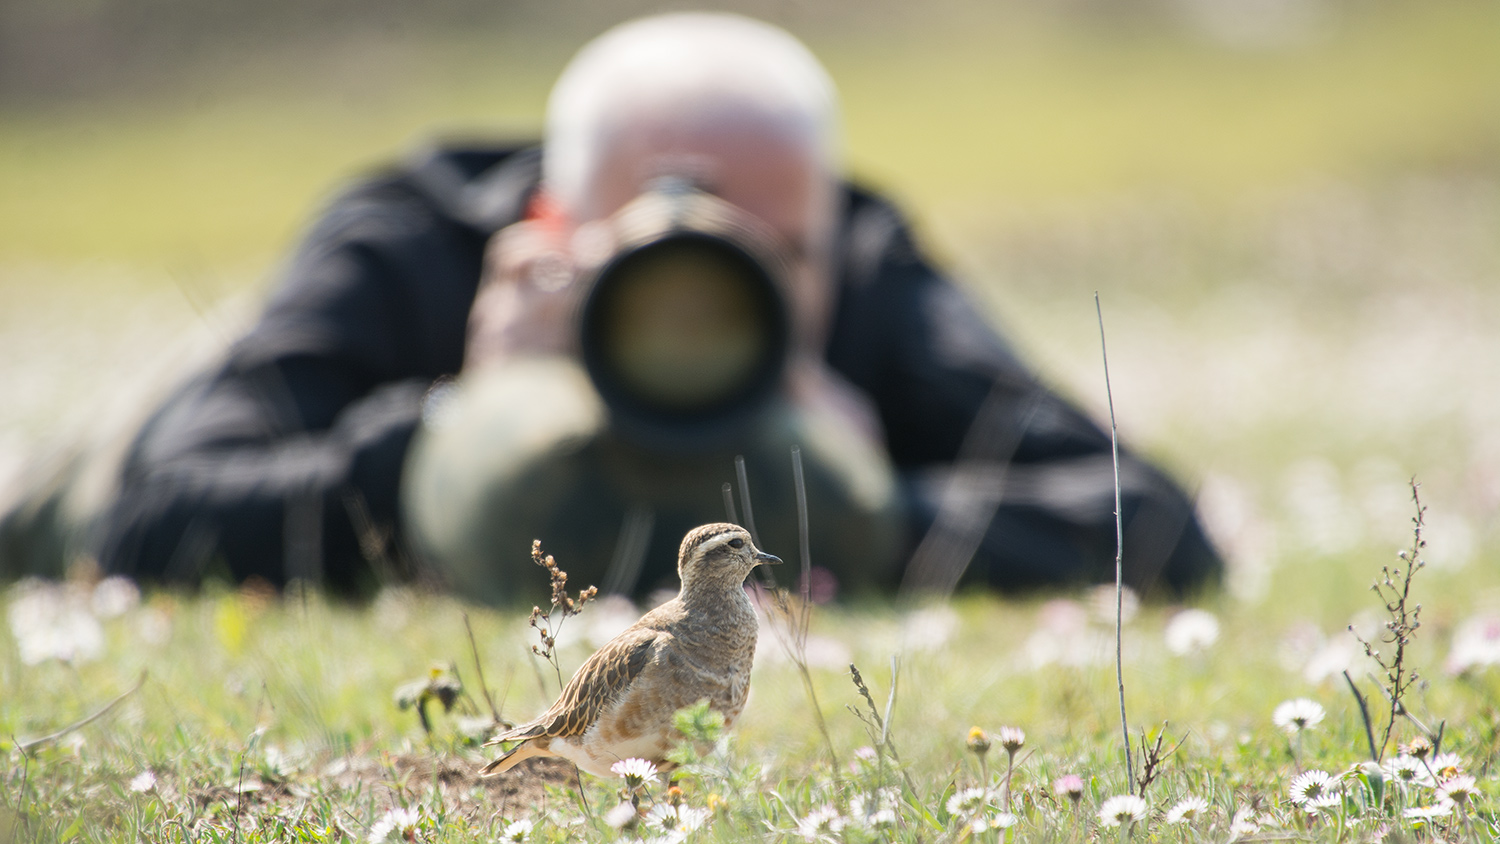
(685, 328)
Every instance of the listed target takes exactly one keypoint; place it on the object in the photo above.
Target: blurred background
(1290, 209)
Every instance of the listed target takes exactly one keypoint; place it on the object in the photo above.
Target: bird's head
(719, 554)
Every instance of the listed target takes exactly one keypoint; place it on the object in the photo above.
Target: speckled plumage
(698, 645)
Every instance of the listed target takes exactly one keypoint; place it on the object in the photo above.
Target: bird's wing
(601, 679)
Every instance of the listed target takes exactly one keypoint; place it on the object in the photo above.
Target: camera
(685, 327)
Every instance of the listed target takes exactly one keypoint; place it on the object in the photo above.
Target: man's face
(746, 160)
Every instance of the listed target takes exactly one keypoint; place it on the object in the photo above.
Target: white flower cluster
(1476, 645)
(869, 813)
(62, 621)
(674, 822)
(976, 809)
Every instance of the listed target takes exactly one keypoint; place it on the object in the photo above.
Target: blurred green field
(221, 164)
(1296, 240)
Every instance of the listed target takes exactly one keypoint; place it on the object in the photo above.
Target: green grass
(243, 724)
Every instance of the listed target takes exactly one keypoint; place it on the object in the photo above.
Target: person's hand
(527, 295)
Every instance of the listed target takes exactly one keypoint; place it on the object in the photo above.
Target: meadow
(1295, 243)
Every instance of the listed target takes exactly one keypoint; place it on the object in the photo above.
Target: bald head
(739, 107)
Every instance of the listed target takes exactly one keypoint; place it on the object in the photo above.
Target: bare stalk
(29, 744)
(484, 689)
(791, 633)
(1114, 446)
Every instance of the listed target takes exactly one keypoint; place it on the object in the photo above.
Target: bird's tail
(513, 757)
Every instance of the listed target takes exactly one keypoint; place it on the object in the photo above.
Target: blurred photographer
(491, 345)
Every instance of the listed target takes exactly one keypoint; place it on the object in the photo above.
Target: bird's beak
(762, 558)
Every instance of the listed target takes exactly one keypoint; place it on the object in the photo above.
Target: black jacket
(285, 460)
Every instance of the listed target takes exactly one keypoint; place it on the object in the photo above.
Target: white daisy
(637, 772)
(143, 782)
(1458, 790)
(1476, 645)
(1407, 770)
(517, 831)
(1191, 631)
(402, 822)
(621, 816)
(1311, 785)
(1421, 814)
(1244, 823)
(1297, 715)
(824, 819)
(114, 596)
(969, 801)
(1326, 802)
(1002, 820)
(874, 810)
(1122, 809)
(680, 818)
(1187, 810)
(1446, 765)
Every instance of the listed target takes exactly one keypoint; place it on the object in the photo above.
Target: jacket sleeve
(285, 461)
(1007, 482)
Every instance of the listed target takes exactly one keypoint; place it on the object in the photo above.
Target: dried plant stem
(791, 632)
(484, 688)
(1404, 617)
(881, 725)
(1114, 445)
(767, 579)
(804, 621)
(27, 745)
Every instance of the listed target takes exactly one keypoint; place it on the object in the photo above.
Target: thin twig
(1114, 446)
(890, 700)
(805, 619)
(728, 491)
(484, 689)
(76, 725)
(804, 545)
(767, 579)
(744, 479)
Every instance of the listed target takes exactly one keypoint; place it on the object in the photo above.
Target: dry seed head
(1069, 786)
(1418, 748)
(1011, 738)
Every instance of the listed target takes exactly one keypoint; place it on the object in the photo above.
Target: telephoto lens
(685, 329)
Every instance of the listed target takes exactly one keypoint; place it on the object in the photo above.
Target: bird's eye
(736, 543)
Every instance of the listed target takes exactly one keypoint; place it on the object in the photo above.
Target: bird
(700, 644)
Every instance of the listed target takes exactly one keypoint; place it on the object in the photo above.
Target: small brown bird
(698, 645)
